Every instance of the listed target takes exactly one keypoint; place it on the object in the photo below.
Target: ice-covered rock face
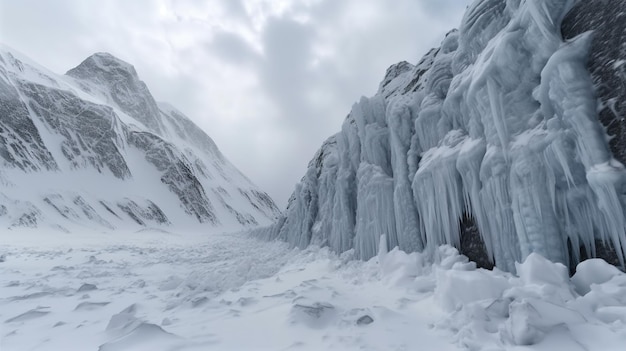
(492, 143)
(607, 62)
(93, 148)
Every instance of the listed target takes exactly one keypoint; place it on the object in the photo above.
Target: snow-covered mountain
(506, 140)
(92, 148)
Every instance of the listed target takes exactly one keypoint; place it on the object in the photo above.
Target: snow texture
(498, 128)
(174, 291)
(93, 149)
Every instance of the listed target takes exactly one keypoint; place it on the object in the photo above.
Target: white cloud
(268, 80)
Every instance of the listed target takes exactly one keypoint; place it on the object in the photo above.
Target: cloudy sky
(268, 80)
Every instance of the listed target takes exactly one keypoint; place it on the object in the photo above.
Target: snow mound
(593, 271)
(475, 286)
(314, 315)
(145, 337)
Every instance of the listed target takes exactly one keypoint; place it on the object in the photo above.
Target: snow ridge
(497, 128)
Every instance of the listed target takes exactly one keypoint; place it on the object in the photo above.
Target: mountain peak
(395, 70)
(386, 87)
(117, 82)
(108, 156)
(101, 61)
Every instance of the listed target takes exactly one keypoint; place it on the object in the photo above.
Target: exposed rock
(87, 287)
(607, 62)
(365, 320)
(472, 245)
(176, 174)
(20, 141)
(91, 132)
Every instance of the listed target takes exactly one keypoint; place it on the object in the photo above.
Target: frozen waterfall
(498, 125)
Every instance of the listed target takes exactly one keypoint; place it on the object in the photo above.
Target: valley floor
(156, 290)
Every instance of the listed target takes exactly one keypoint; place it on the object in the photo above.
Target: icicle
(499, 124)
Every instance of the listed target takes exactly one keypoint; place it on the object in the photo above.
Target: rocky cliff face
(93, 148)
(492, 143)
(117, 83)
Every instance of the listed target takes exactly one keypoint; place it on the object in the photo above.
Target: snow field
(163, 291)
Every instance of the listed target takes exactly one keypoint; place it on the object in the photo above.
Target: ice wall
(498, 127)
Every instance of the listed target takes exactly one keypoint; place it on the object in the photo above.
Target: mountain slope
(491, 143)
(93, 148)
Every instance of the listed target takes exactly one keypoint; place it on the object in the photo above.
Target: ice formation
(497, 128)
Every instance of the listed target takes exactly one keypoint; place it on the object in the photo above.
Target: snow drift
(174, 291)
(92, 148)
(492, 143)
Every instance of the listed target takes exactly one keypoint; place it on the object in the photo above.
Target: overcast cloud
(268, 80)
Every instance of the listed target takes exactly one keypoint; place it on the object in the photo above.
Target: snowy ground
(166, 291)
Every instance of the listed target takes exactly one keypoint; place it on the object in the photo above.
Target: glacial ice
(498, 125)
